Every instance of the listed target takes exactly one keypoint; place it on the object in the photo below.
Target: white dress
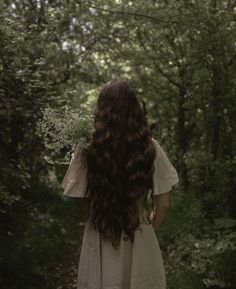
(131, 266)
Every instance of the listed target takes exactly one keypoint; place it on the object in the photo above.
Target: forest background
(179, 57)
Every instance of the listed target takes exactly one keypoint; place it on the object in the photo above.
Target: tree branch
(157, 67)
(126, 13)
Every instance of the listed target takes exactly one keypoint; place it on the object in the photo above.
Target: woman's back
(116, 177)
(132, 266)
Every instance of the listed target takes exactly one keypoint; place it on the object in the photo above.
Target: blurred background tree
(179, 57)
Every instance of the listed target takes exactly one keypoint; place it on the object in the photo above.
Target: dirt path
(69, 272)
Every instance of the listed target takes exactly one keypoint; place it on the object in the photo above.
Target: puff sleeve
(165, 175)
(74, 182)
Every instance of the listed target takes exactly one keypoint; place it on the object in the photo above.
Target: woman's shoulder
(76, 155)
(153, 139)
(160, 149)
(155, 142)
(78, 149)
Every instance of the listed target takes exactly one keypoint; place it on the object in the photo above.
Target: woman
(115, 176)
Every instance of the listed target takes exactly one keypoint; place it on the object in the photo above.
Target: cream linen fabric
(74, 182)
(165, 175)
(131, 266)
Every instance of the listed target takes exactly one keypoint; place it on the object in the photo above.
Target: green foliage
(181, 279)
(61, 129)
(212, 181)
(206, 256)
(194, 248)
(45, 242)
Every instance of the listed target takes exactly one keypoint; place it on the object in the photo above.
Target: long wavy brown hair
(120, 162)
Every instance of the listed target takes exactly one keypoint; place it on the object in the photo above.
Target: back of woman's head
(119, 161)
